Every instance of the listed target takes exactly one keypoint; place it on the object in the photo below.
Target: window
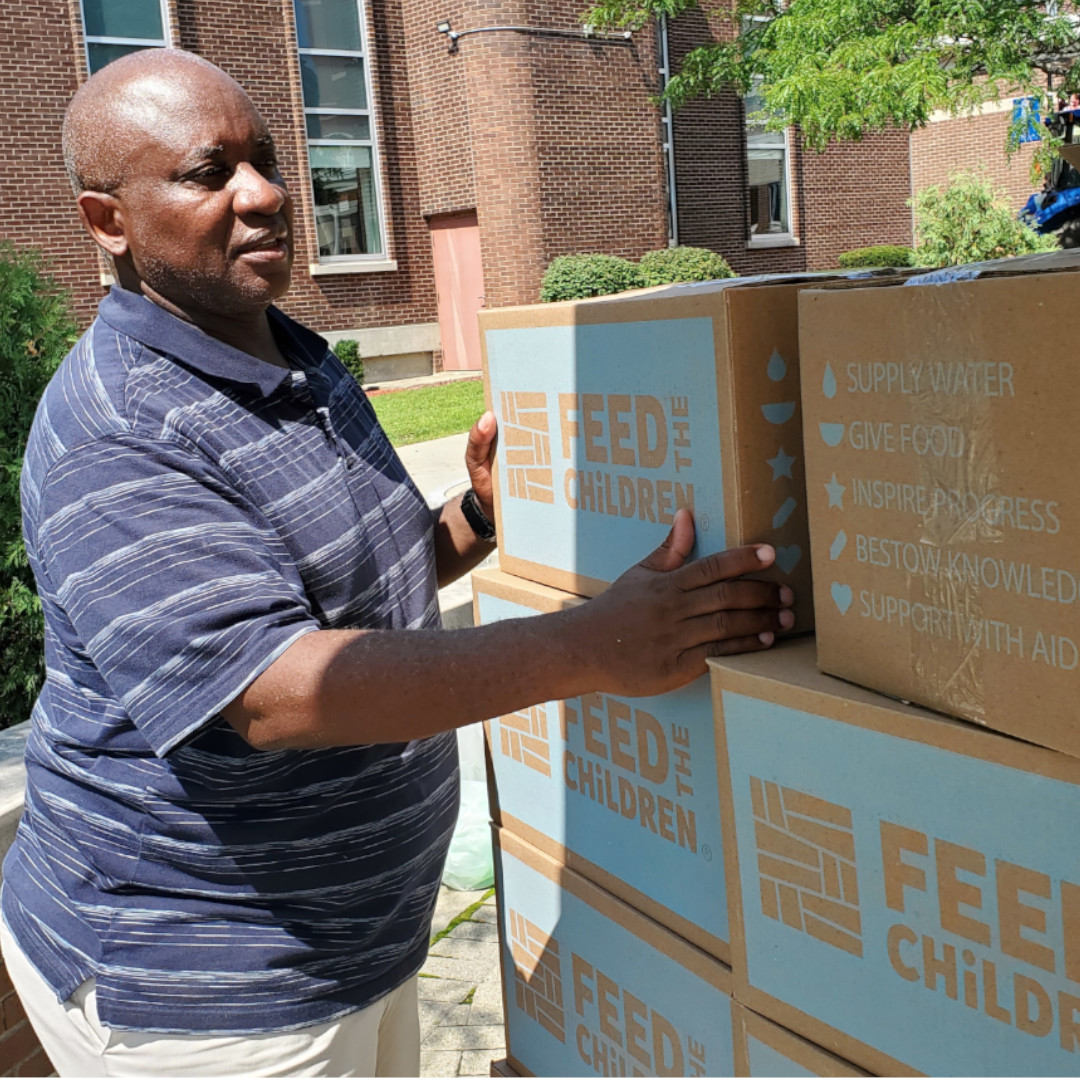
(342, 151)
(768, 182)
(114, 28)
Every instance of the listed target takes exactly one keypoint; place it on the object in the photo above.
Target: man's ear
(104, 221)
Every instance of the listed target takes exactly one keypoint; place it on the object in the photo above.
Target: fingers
(693, 660)
(724, 626)
(675, 550)
(724, 565)
(479, 454)
(739, 594)
(481, 442)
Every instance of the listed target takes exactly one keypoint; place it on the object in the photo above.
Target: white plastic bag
(469, 863)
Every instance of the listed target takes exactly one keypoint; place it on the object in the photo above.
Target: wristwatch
(478, 521)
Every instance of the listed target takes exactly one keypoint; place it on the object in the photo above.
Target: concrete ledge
(383, 369)
(12, 782)
(373, 266)
(390, 340)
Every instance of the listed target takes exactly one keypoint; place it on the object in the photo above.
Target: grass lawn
(429, 412)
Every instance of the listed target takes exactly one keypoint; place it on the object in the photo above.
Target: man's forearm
(346, 687)
(648, 633)
(457, 548)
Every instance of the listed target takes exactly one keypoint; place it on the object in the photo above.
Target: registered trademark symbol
(703, 522)
(706, 852)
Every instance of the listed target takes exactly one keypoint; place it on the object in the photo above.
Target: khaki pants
(381, 1040)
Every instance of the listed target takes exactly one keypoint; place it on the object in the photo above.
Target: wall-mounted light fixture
(588, 33)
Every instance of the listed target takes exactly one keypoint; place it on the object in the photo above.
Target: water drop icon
(828, 383)
(777, 368)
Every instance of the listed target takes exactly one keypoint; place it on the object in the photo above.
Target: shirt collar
(139, 317)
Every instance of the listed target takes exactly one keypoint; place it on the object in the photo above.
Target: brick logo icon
(537, 975)
(806, 863)
(523, 737)
(526, 437)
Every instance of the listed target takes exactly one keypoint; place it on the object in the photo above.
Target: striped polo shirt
(190, 512)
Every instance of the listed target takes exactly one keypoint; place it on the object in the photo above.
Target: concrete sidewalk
(461, 1010)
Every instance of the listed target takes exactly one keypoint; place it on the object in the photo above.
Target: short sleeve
(178, 590)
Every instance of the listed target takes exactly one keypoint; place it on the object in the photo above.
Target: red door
(459, 281)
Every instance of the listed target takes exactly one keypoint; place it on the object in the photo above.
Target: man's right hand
(652, 629)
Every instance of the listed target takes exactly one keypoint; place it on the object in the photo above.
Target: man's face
(206, 216)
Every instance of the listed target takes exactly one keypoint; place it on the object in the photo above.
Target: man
(242, 774)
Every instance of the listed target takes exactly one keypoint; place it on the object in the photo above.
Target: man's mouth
(269, 247)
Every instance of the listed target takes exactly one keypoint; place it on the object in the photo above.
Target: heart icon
(787, 558)
(842, 597)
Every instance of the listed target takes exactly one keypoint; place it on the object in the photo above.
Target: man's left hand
(479, 456)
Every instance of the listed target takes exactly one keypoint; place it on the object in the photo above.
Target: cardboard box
(502, 1068)
(942, 445)
(904, 887)
(622, 790)
(616, 411)
(763, 1048)
(592, 986)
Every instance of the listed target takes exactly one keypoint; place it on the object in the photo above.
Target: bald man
(242, 772)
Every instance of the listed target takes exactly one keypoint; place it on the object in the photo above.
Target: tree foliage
(968, 221)
(36, 330)
(841, 68)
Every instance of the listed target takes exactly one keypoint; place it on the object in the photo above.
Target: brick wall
(20, 1051)
(552, 140)
(37, 79)
(855, 195)
(946, 146)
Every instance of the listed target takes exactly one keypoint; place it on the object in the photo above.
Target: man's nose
(257, 194)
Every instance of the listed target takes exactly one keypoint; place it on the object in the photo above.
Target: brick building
(433, 173)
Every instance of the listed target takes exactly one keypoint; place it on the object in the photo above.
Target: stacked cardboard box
(614, 413)
(902, 884)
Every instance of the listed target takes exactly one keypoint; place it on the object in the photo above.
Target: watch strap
(478, 521)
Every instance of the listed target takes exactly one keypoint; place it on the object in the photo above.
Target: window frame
(164, 42)
(786, 237)
(382, 256)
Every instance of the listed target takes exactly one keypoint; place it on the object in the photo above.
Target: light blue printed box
(905, 888)
(763, 1048)
(617, 411)
(623, 790)
(592, 986)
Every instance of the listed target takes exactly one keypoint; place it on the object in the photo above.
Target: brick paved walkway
(461, 1015)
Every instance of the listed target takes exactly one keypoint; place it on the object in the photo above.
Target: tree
(841, 68)
(36, 330)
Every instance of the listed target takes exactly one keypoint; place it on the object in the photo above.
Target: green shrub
(969, 221)
(669, 265)
(36, 330)
(348, 352)
(574, 277)
(878, 255)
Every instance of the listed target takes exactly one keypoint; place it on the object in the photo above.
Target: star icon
(781, 464)
(836, 492)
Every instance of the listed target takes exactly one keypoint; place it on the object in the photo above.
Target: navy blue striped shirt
(191, 511)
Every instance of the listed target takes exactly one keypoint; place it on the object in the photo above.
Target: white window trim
(163, 42)
(379, 260)
(787, 238)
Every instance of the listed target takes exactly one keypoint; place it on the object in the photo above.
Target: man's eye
(210, 172)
